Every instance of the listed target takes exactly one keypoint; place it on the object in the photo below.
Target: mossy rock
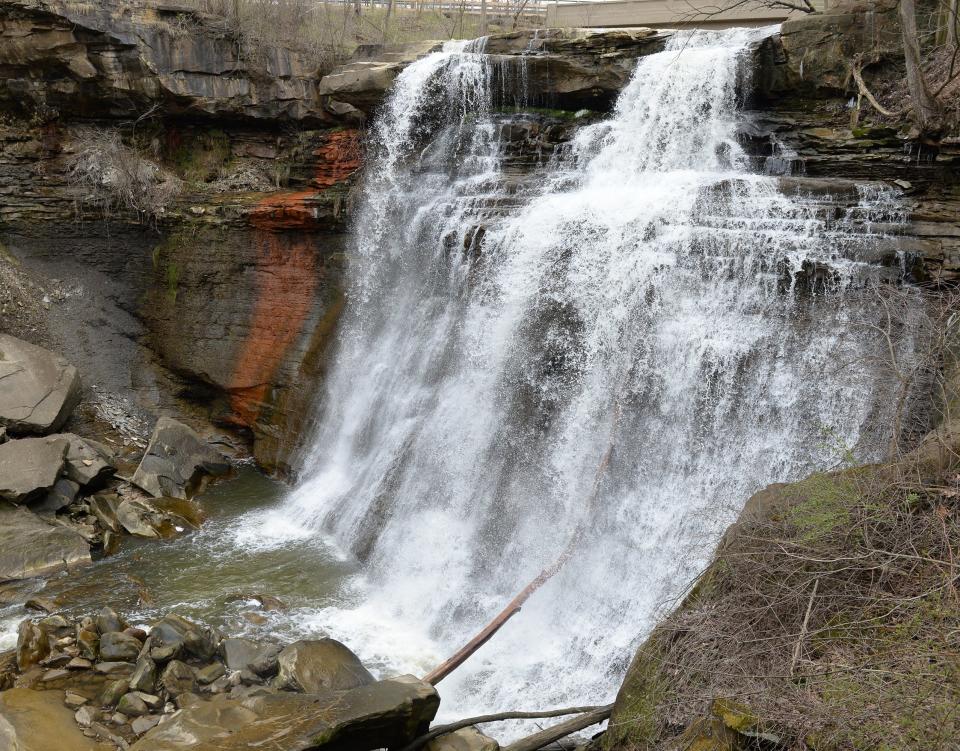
(709, 734)
(735, 715)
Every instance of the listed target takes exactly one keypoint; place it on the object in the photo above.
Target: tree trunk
(483, 18)
(386, 20)
(952, 12)
(555, 733)
(925, 108)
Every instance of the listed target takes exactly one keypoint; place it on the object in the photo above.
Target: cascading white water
(647, 296)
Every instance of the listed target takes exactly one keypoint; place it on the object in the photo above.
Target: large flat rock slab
(177, 461)
(38, 388)
(39, 721)
(386, 714)
(30, 467)
(31, 546)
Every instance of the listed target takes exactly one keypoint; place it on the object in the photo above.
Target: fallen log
(555, 733)
(497, 717)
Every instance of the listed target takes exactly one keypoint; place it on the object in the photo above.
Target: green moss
(173, 281)
(636, 721)
(824, 504)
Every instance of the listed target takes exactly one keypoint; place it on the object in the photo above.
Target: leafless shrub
(112, 177)
(243, 178)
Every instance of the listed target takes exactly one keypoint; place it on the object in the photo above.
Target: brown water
(206, 574)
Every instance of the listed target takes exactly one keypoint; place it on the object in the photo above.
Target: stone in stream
(33, 645)
(117, 646)
(135, 517)
(319, 665)
(144, 675)
(40, 388)
(107, 621)
(104, 508)
(177, 461)
(239, 654)
(178, 678)
(383, 714)
(210, 673)
(465, 739)
(142, 724)
(132, 705)
(31, 546)
(174, 631)
(29, 468)
(88, 642)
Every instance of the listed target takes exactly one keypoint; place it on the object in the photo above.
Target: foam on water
(647, 295)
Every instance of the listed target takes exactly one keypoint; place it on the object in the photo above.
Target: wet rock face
(108, 58)
(31, 546)
(39, 388)
(176, 462)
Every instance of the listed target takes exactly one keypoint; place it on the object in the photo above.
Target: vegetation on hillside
(830, 617)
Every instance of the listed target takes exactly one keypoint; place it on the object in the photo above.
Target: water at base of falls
(645, 296)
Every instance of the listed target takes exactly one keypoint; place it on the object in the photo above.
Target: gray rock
(113, 692)
(385, 714)
(320, 665)
(89, 462)
(79, 663)
(31, 546)
(88, 642)
(30, 467)
(142, 724)
(40, 389)
(61, 495)
(135, 517)
(73, 700)
(144, 675)
(239, 653)
(465, 739)
(116, 646)
(114, 668)
(86, 716)
(177, 632)
(3, 435)
(33, 645)
(104, 507)
(151, 700)
(107, 620)
(132, 705)
(178, 678)
(177, 461)
(210, 673)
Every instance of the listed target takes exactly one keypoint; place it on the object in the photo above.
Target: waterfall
(645, 289)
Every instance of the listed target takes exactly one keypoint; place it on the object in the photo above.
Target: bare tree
(925, 106)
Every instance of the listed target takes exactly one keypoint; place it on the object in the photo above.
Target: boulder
(247, 654)
(31, 546)
(132, 705)
(119, 647)
(177, 461)
(136, 518)
(107, 620)
(183, 635)
(61, 495)
(29, 468)
(465, 739)
(383, 714)
(33, 645)
(89, 462)
(178, 678)
(144, 675)
(320, 665)
(38, 721)
(104, 507)
(40, 389)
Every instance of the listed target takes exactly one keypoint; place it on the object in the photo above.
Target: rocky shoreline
(174, 684)
(62, 498)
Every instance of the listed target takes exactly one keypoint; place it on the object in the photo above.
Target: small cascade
(650, 294)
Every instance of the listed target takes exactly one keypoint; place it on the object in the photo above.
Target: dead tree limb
(439, 730)
(864, 91)
(513, 607)
(555, 733)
